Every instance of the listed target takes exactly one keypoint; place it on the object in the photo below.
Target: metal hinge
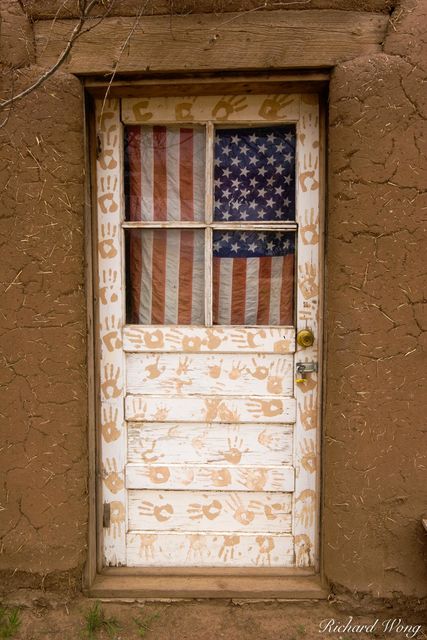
(106, 515)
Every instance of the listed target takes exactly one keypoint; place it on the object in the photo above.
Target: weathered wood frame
(269, 582)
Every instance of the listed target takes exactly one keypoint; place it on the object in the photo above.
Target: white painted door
(208, 263)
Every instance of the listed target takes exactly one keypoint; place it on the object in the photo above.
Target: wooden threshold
(266, 585)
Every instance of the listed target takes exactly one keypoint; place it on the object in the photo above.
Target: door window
(237, 231)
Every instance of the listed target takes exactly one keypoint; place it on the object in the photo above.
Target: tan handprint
(112, 478)
(237, 370)
(213, 340)
(199, 441)
(183, 110)
(275, 379)
(308, 460)
(161, 413)
(309, 228)
(153, 370)
(271, 440)
(104, 117)
(162, 512)
(214, 370)
(197, 547)
(305, 506)
(308, 412)
(111, 338)
(226, 552)
(259, 372)
(307, 280)
(108, 188)
(244, 514)
(227, 414)
(158, 475)
(282, 346)
(183, 366)
(217, 477)
(247, 338)
(275, 510)
(139, 409)
(140, 111)
(308, 176)
(107, 291)
(117, 518)
(110, 431)
(211, 406)
(211, 510)
(153, 339)
(235, 450)
(146, 449)
(303, 548)
(274, 107)
(106, 158)
(266, 546)
(268, 408)
(238, 510)
(228, 105)
(253, 479)
(110, 387)
(191, 344)
(106, 246)
(146, 545)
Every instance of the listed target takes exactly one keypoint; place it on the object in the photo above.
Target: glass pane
(164, 173)
(165, 276)
(254, 174)
(253, 277)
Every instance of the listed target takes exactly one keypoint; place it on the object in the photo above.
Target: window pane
(164, 173)
(165, 276)
(255, 174)
(253, 277)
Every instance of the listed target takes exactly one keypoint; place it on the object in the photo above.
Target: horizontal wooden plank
(149, 581)
(43, 9)
(205, 339)
(209, 409)
(209, 42)
(205, 478)
(148, 549)
(202, 443)
(197, 373)
(205, 108)
(300, 81)
(210, 511)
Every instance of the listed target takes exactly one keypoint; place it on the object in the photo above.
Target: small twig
(122, 48)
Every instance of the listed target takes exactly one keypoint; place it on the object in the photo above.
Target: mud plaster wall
(374, 461)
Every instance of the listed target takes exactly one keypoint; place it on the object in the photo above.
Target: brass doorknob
(305, 338)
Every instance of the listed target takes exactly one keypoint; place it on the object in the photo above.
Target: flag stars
(254, 174)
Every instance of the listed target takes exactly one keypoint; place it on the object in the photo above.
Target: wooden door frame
(126, 582)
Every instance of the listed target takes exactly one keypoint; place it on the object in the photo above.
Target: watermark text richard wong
(391, 625)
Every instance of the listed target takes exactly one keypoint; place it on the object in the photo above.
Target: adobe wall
(374, 456)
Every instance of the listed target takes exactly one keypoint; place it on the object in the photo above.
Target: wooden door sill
(186, 583)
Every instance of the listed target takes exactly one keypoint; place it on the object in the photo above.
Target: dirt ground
(49, 617)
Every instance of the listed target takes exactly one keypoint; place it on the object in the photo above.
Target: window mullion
(210, 134)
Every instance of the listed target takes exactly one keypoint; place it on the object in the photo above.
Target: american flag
(252, 270)
(165, 180)
(254, 174)
(253, 277)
